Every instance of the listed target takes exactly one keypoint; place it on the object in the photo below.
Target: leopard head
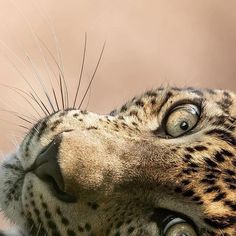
(162, 164)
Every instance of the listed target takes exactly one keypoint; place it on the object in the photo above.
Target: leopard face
(162, 164)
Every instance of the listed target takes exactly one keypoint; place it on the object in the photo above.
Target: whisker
(30, 28)
(39, 228)
(81, 70)
(17, 90)
(13, 139)
(43, 108)
(37, 77)
(31, 228)
(8, 122)
(16, 68)
(62, 94)
(37, 131)
(90, 91)
(24, 119)
(18, 115)
(55, 98)
(94, 73)
(61, 75)
(53, 32)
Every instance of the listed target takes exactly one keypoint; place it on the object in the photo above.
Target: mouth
(57, 191)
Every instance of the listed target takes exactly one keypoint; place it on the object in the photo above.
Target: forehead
(221, 99)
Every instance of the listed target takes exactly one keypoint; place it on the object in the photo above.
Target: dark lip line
(54, 189)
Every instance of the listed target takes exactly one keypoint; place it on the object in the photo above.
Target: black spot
(219, 197)
(193, 165)
(219, 157)
(92, 127)
(54, 233)
(200, 148)
(223, 135)
(227, 153)
(131, 230)
(80, 229)
(55, 124)
(196, 198)
(189, 170)
(208, 181)
(84, 112)
(189, 149)
(229, 172)
(119, 224)
(93, 205)
(133, 113)
(198, 92)
(210, 163)
(151, 94)
(58, 211)
(43, 126)
(71, 232)
(64, 221)
(188, 193)
(139, 103)
(123, 108)
(230, 204)
(221, 222)
(230, 180)
(44, 205)
(47, 214)
(186, 182)
(87, 227)
(52, 225)
(178, 190)
(210, 176)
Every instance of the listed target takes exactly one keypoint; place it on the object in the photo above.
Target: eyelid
(190, 107)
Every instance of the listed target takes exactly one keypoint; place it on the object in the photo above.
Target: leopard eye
(182, 119)
(179, 227)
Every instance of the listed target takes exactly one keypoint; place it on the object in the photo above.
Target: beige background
(148, 43)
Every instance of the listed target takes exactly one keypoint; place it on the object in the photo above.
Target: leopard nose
(46, 166)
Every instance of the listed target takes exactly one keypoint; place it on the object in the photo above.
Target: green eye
(182, 119)
(179, 227)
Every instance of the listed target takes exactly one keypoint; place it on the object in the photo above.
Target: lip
(57, 192)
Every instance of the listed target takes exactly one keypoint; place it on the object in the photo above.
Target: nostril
(46, 168)
(46, 165)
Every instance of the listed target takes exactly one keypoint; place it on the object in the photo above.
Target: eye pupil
(184, 126)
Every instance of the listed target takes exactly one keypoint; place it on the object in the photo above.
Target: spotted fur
(123, 167)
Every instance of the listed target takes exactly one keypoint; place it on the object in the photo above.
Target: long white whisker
(38, 78)
(89, 96)
(41, 105)
(16, 68)
(51, 27)
(81, 70)
(38, 46)
(20, 91)
(64, 94)
(93, 76)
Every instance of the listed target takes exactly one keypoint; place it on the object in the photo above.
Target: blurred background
(148, 44)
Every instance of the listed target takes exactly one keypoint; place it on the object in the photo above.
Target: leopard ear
(12, 232)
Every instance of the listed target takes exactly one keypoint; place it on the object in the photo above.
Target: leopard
(162, 164)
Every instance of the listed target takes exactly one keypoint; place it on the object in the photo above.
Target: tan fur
(119, 162)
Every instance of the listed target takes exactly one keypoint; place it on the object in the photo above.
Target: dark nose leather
(46, 166)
